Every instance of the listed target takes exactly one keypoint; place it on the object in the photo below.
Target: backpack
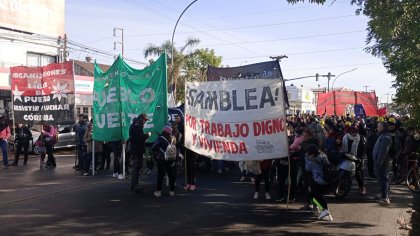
(171, 152)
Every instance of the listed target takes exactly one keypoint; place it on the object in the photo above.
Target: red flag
(382, 111)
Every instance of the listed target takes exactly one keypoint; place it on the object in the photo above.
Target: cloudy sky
(316, 38)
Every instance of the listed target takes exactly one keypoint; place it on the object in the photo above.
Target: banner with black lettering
(262, 70)
(236, 119)
(43, 95)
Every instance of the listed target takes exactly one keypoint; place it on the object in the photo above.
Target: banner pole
(185, 168)
(74, 116)
(123, 159)
(93, 156)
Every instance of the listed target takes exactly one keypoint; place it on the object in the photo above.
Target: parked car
(66, 138)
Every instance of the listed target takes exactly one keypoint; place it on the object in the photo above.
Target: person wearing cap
(371, 138)
(164, 166)
(396, 144)
(138, 147)
(383, 161)
(4, 135)
(353, 143)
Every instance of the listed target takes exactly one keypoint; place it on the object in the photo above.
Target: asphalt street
(60, 201)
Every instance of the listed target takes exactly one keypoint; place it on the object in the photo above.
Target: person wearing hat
(383, 161)
(164, 166)
(313, 163)
(353, 143)
(396, 144)
(138, 147)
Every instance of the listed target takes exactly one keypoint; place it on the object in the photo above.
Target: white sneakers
(157, 194)
(324, 214)
(120, 177)
(115, 175)
(267, 196)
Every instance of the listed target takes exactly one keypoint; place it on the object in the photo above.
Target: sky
(315, 38)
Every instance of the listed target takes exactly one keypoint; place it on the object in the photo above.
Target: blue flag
(359, 111)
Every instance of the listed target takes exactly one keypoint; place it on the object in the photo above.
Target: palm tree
(179, 59)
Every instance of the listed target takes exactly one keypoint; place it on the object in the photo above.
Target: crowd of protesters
(381, 142)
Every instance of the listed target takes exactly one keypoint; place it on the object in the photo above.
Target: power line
(272, 40)
(221, 39)
(91, 49)
(337, 66)
(291, 38)
(232, 28)
(297, 53)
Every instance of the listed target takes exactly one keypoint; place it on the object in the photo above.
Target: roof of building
(86, 68)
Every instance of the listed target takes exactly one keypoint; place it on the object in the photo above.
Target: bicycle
(413, 175)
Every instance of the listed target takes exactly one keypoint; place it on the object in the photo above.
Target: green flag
(122, 93)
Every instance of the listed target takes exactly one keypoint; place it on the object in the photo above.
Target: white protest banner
(236, 120)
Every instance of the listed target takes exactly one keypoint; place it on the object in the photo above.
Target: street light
(172, 51)
(332, 87)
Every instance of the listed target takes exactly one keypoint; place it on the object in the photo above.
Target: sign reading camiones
(122, 93)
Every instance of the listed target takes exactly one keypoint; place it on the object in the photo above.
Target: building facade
(301, 100)
(31, 34)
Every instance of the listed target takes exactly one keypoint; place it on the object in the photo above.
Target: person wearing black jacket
(164, 166)
(22, 136)
(138, 146)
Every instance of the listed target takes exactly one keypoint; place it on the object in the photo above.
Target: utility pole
(121, 42)
(366, 86)
(278, 58)
(65, 48)
(329, 75)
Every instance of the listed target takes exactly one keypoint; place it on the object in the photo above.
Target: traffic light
(316, 77)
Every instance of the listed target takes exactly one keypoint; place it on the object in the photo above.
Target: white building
(301, 100)
(31, 34)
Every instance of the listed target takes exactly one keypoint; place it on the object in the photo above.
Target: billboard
(44, 17)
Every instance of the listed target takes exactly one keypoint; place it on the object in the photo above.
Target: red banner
(43, 94)
(340, 103)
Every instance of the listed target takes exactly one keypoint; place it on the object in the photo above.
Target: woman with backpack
(165, 157)
(314, 162)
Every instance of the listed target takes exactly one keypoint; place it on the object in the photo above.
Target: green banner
(122, 93)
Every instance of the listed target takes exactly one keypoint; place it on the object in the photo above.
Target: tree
(195, 68)
(393, 35)
(188, 65)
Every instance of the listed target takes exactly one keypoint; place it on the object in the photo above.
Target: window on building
(85, 110)
(36, 59)
(77, 111)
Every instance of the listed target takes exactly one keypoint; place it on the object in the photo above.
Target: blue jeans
(3, 145)
(383, 175)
